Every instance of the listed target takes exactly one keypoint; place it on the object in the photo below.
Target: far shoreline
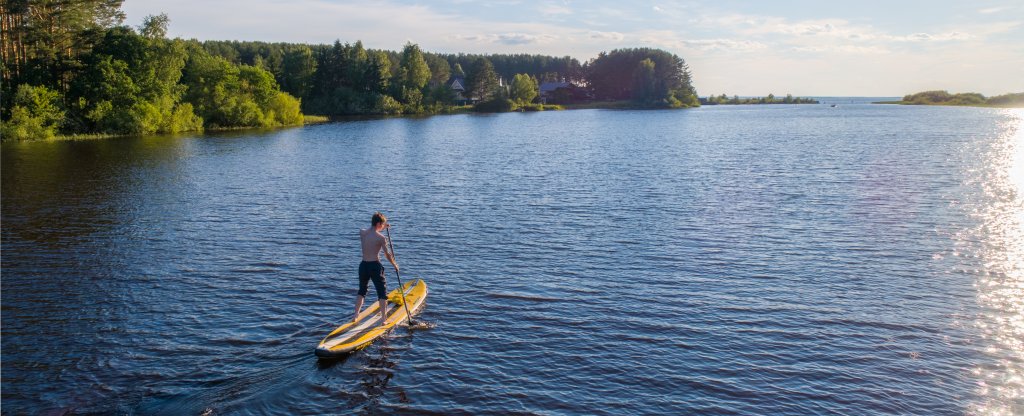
(963, 99)
(980, 105)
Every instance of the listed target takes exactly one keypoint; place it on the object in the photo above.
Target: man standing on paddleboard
(373, 243)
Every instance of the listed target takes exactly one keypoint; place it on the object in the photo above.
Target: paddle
(399, 275)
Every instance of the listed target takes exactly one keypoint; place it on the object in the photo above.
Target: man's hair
(377, 218)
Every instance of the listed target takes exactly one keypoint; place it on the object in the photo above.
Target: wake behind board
(360, 333)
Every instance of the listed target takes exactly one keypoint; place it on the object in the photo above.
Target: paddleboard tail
(359, 334)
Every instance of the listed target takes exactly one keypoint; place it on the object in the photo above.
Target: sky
(749, 48)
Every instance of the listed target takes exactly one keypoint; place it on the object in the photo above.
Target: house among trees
(458, 87)
(562, 92)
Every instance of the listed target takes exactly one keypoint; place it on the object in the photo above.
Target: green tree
(413, 74)
(481, 81)
(440, 70)
(524, 89)
(132, 83)
(229, 95)
(283, 110)
(257, 83)
(614, 76)
(441, 95)
(35, 114)
(43, 41)
(413, 71)
(349, 80)
(297, 71)
(356, 61)
(154, 27)
(645, 88)
(378, 73)
(214, 89)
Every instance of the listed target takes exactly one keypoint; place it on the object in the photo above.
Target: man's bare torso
(372, 242)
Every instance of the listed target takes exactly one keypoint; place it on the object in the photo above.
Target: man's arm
(389, 256)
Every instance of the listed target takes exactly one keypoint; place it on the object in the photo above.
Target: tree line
(770, 99)
(345, 79)
(965, 98)
(73, 67)
(70, 66)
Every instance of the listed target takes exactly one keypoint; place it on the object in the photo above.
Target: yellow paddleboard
(366, 328)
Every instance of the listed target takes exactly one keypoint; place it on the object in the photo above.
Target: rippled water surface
(861, 259)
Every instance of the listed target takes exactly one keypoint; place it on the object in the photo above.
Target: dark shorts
(372, 270)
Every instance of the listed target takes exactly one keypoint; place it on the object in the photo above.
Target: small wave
(269, 264)
(254, 270)
(237, 342)
(841, 322)
(522, 296)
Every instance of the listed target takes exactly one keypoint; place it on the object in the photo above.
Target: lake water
(857, 259)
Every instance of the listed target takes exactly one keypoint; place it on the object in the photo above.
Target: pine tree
(481, 81)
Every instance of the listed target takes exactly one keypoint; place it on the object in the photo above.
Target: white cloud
(832, 29)
(510, 38)
(843, 49)
(614, 36)
(925, 37)
(554, 10)
(991, 10)
(722, 44)
(810, 28)
(675, 41)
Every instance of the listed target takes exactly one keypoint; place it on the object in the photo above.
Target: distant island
(770, 99)
(971, 99)
(78, 71)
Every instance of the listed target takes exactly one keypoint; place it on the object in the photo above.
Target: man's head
(378, 221)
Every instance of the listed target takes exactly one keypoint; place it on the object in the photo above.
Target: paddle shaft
(399, 276)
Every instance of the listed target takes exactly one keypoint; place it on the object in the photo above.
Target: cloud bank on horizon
(868, 48)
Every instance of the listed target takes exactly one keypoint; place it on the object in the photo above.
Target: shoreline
(307, 120)
(321, 119)
(980, 105)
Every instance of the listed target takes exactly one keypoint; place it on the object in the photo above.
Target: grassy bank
(611, 105)
(308, 119)
(93, 136)
(311, 119)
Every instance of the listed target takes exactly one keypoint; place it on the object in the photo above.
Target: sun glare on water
(1001, 283)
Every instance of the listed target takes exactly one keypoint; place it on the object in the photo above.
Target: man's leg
(364, 284)
(380, 284)
(383, 310)
(359, 306)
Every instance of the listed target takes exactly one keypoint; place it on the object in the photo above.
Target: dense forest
(73, 67)
(966, 99)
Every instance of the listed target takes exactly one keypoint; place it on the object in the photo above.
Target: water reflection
(1001, 281)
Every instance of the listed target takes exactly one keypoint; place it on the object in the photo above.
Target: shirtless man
(373, 243)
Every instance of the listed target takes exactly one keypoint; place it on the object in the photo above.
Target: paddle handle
(399, 276)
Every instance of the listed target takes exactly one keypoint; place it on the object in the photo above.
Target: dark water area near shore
(764, 259)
